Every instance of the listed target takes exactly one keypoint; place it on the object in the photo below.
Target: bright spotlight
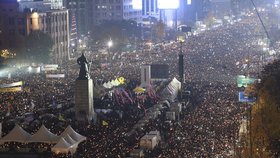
(29, 69)
(110, 43)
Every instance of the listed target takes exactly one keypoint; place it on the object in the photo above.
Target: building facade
(114, 10)
(17, 21)
(12, 24)
(80, 11)
(221, 8)
(57, 26)
(150, 9)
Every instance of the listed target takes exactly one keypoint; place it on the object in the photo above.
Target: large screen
(137, 4)
(168, 4)
(159, 71)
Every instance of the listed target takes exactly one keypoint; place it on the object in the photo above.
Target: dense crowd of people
(213, 59)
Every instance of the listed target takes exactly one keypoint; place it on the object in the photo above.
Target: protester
(213, 59)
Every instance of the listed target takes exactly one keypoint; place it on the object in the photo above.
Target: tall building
(235, 7)
(81, 10)
(191, 11)
(57, 24)
(150, 9)
(12, 24)
(114, 10)
(220, 8)
(18, 19)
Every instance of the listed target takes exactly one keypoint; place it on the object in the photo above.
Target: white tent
(171, 90)
(17, 134)
(43, 135)
(70, 140)
(62, 147)
(73, 134)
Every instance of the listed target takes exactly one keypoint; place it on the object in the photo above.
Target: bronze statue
(83, 74)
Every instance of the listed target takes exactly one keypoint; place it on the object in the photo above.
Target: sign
(50, 67)
(11, 84)
(243, 98)
(55, 75)
(12, 89)
(243, 81)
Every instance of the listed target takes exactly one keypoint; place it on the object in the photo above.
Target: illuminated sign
(137, 4)
(168, 4)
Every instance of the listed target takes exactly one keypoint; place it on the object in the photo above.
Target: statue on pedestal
(83, 74)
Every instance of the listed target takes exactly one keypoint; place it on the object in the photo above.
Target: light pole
(109, 44)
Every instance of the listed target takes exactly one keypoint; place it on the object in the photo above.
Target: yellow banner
(11, 84)
(13, 89)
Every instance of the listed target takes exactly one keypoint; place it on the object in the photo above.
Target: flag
(127, 96)
(61, 118)
(116, 96)
(9, 110)
(152, 93)
(105, 123)
(32, 104)
(53, 102)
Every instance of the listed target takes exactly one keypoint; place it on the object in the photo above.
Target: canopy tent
(171, 90)
(62, 147)
(70, 140)
(43, 135)
(17, 134)
(73, 134)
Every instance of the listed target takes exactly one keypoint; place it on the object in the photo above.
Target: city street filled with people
(207, 128)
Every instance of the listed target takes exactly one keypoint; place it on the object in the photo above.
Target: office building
(221, 8)
(19, 19)
(114, 10)
(150, 9)
(80, 11)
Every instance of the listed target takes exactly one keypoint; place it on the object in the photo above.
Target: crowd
(213, 59)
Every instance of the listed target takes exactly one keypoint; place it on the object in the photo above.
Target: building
(221, 8)
(57, 24)
(12, 24)
(80, 11)
(19, 19)
(188, 12)
(150, 9)
(235, 7)
(114, 10)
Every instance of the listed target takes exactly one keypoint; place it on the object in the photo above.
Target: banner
(12, 89)
(243, 81)
(243, 98)
(11, 84)
(55, 75)
(50, 67)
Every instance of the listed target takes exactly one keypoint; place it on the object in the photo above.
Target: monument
(84, 110)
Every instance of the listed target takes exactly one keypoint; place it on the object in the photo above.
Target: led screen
(137, 4)
(168, 4)
(159, 71)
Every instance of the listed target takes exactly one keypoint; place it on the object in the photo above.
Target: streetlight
(109, 44)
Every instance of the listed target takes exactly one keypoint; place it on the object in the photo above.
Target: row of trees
(266, 113)
(36, 47)
(125, 31)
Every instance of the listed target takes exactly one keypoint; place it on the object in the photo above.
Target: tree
(160, 30)
(266, 113)
(36, 47)
(118, 31)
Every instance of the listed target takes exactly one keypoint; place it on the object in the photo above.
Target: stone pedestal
(84, 100)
